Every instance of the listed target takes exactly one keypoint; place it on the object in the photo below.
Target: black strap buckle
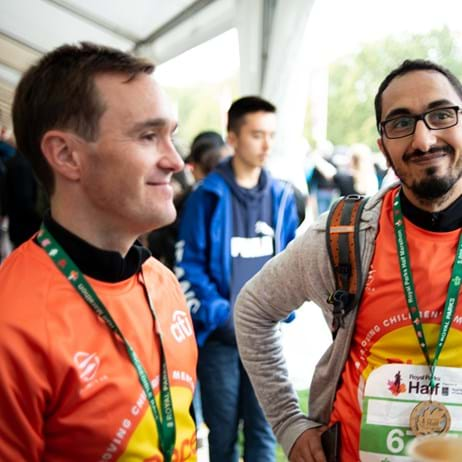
(340, 299)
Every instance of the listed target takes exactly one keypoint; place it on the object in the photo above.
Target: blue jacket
(203, 249)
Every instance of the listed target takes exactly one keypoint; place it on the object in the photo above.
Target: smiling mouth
(433, 154)
(158, 183)
(430, 157)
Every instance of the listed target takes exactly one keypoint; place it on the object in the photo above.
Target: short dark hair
(203, 142)
(210, 159)
(411, 65)
(207, 137)
(59, 92)
(243, 106)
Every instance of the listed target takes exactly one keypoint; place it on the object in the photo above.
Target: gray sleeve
(299, 274)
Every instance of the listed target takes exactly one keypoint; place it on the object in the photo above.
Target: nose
(423, 138)
(267, 142)
(171, 159)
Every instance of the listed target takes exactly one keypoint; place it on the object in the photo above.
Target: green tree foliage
(199, 108)
(354, 80)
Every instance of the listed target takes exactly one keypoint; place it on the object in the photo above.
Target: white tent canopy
(29, 28)
(270, 40)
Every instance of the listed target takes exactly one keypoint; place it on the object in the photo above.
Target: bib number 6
(395, 441)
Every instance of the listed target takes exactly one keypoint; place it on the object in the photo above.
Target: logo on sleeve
(181, 327)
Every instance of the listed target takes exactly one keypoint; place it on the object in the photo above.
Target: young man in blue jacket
(231, 225)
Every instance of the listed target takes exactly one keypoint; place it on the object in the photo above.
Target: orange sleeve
(24, 373)
(22, 401)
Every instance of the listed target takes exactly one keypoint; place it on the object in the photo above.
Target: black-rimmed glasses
(404, 125)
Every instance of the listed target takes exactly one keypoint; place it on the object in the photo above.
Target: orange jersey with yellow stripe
(384, 333)
(68, 390)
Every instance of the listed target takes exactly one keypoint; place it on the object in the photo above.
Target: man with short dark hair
(394, 369)
(235, 221)
(97, 351)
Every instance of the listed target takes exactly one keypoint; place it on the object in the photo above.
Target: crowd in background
(331, 171)
(334, 171)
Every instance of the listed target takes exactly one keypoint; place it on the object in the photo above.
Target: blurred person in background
(26, 201)
(362, 169)
(22, 198)
(320, 172)
(6, 152)
(233, 222)
(208, 148)
(356, 173)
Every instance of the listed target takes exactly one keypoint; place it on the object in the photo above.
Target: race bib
(392, 392)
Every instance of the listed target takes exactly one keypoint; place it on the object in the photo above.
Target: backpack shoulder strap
(342, 240)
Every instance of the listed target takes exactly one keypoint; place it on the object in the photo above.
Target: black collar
(103, 265)
(446, 220)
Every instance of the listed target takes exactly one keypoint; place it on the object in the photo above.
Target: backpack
(342, 240)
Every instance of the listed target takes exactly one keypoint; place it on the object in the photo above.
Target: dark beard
(432, 187)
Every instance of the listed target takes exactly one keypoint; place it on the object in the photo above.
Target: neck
(246, 176)
(434, 205)
(91, 228)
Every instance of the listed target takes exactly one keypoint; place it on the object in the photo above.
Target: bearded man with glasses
(394, 368)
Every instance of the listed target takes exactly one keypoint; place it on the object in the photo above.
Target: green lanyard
(166, 424)
(409, 291)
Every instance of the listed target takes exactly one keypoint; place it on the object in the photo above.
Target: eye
(150, 136)
(442, 114)
(401, 123)
(442, 118)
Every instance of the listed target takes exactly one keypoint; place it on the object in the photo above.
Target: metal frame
(178, 19)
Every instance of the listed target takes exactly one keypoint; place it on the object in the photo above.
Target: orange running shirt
(68, 391)
(384, 333)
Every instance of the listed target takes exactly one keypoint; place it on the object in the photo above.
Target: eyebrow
(151, 124)
(440, 103)
(405, 111)
(258, 130)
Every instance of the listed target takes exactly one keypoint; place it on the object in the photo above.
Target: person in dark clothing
(3, 158)
(5, 245)
(231, 224)
(22, 199)
(7, 151)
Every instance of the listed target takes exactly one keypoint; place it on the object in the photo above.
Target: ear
(231, 139)
(380, 144)
(383, 151)
(60, 150)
